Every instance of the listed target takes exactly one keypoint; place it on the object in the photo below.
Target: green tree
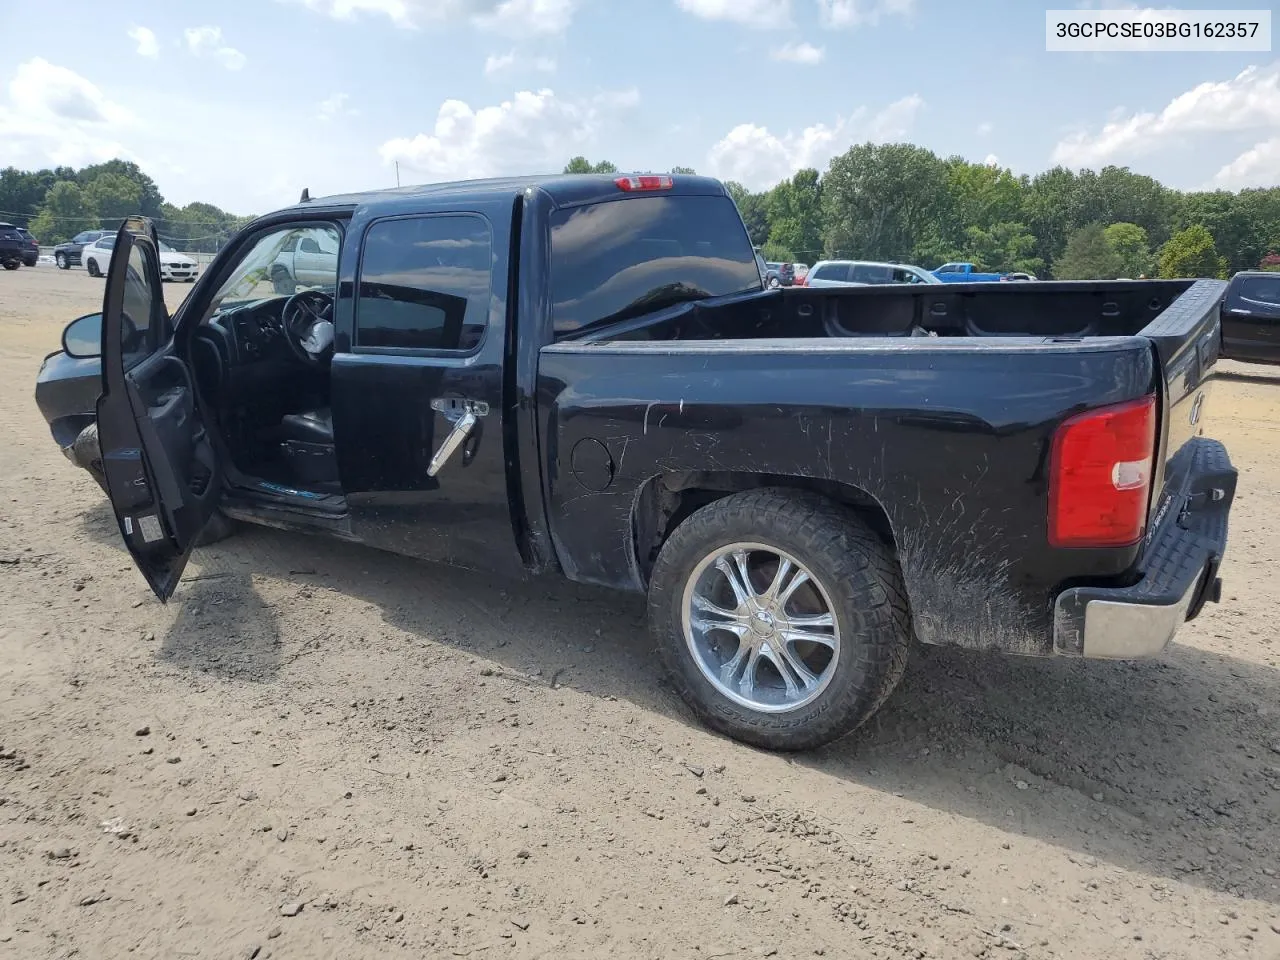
(65, 212)
(980, 196)
(22, 191)
(1130, 243)
(1088, 256)
(1118, 195)
(583, 165)
(1004, 247)
(878, 200)
(794, 209)
(1049, 209)
(1192, 253)
(149, 198)
(113, 196)
(751, 206)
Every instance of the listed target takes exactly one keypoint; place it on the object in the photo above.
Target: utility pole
(397, 173)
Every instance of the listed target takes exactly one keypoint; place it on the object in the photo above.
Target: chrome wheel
(761, 628)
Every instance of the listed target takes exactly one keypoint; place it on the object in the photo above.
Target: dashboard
(241, 353)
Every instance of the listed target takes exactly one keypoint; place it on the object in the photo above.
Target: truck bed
(1072, 310)
(933, 409)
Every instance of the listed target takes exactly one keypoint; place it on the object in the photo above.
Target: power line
(194, 223)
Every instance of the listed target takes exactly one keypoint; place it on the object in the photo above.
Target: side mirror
(82, 338)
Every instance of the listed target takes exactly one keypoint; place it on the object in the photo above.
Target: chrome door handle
(464, 414)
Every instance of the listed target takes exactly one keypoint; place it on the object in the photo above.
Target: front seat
(310, 426)
(307, 447)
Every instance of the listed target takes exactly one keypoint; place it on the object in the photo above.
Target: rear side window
(866, 273)
(1261, 289)
(832, 271)
(425, 283)
(624, 258)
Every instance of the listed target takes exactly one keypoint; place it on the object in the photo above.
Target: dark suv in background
(67, 254)
(783, 273)
(32, 253)
(13, 247)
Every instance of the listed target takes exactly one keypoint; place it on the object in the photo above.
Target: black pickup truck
(1251, 317)
(583, 375)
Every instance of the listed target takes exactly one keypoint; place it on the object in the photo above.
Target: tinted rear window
(1261, 289)
(624, 258)
(832, 271)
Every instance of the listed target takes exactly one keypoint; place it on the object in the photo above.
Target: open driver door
(161, 469)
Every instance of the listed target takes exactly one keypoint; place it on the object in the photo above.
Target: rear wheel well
(666, 500)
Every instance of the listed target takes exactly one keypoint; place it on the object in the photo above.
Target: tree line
(56, 204)
(896, 202)
(903, 203)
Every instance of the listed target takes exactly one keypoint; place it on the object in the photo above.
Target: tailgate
(1187, 340)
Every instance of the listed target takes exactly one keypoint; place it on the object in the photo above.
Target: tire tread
(876, 630)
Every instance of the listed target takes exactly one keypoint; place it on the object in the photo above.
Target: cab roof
(563, 189)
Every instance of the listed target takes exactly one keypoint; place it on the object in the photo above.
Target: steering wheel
(301, 313)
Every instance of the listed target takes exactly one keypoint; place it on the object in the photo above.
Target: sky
(243, 103)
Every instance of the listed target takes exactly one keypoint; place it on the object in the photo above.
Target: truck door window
(1261, 290)
(425, 283)
(624, 258)
(267, 268)
(832, 271)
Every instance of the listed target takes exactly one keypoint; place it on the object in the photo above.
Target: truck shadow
(1168, 768)
(222, 627)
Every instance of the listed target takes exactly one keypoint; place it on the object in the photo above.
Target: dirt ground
(318, 750)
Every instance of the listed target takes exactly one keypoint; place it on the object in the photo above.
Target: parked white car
(96, 256)
(857, 273)
(175, 266)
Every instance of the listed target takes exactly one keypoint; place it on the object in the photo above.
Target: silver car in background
(846, 273)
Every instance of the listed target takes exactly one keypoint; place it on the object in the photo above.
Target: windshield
(280, 263)
(166, 248)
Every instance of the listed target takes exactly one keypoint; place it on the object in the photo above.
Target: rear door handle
(464, 414)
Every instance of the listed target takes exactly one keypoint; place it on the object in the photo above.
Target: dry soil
(318, 750)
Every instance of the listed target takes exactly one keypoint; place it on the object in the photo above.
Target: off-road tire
(282, 283)
(859, 573)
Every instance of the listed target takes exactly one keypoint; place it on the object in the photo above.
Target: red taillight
(802, 281)
(1100, 476)
(644, 182)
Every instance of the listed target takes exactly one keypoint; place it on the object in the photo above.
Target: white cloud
(530, 133)
(148, 45)
(522, 17)
(54, 116)
(985, 128)
(857, 13)
(991, 161)
(42, 89)
(757, 158)
(500, 63)
(517, 17)
(1249, 101)
(1259, 166)
(798, 53)
(762, 14)
(203, 41)
(335, 106)
(496, 63)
